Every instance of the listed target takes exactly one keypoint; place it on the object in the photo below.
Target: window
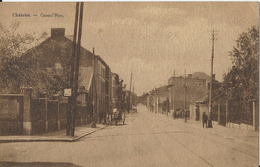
(200, 84)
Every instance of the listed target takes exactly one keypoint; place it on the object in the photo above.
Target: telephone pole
(72, 68)
(185, 86)
(130, 93)
(71, 113)
(211, 80)
(94, 91)
(75, 85)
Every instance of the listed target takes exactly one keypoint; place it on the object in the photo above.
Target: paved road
(147, 139)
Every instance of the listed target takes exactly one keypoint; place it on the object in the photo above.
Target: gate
(11, 114)
(38, 122)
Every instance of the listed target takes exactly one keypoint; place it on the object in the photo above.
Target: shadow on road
(38, 164)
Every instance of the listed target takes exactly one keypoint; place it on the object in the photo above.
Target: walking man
(205, 118)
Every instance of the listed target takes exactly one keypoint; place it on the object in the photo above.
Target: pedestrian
(205, 119)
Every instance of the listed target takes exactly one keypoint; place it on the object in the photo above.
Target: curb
(46, 139)
(88, 133)
(217, 133)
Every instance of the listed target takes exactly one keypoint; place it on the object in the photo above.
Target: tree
(23, 62)
(15, 71)
(241, 82)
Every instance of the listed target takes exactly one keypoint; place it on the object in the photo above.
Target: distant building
(202, 75)
(102, 76)
(160, 97)
(196, 89)
(117, 96)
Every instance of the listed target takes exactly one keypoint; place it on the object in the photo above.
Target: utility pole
(211, 80)
(185, 86)
(94, 91)
(72, 68)
(130, 93)
(167, 100)
(75, 85)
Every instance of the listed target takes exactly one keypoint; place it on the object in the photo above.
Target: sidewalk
(59, 136)
(245, 136)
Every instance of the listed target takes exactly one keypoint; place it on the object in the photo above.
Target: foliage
(13, 69)
(23, 62)
(241, 82)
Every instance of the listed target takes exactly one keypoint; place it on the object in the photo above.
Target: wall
(193, 112)
(196, 89)
(11, 114)
(22, 114)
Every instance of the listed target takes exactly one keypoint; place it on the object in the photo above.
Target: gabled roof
(51, 50)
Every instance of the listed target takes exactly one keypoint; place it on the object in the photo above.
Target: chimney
(189, 75)
(57, 32)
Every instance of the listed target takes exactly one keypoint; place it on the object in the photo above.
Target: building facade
(54, 55)
(183, 91)
(103, 86)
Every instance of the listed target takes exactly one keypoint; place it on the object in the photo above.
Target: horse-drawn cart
(118, 116)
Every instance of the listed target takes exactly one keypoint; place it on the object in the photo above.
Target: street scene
(146, 139)
(164, 84)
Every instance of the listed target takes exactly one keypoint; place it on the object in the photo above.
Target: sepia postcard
(129, 84)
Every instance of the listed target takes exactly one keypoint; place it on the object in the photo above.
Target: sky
(149, 39)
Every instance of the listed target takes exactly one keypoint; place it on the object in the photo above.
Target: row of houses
(190, 94)
(56, 56)
(52, 57)
(178, 94)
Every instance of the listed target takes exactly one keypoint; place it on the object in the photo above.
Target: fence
(238, 115)
(219, 113)
(51, 115)
(230, 114)
(22, 114)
